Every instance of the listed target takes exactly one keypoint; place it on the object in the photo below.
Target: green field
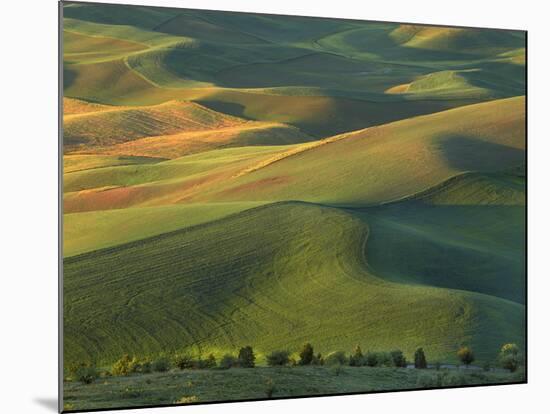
(192, 387)
(241, 179)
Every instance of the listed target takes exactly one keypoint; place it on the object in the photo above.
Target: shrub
(509, 357)
(398, 358)
(135, 365)
(510, 362)
(160, 365)
(371, 359)
(356, 359)
(85, 373)
(420, 359)
(187, 399)
(509, 349)
(228, 361)
(317, 360)
(465, 355)
(146, 367)
(123, 365)
(306, 354)
(336, 358)
(183, 361)
(384, 359)
(246, 357)
(209, 362)
(487, 366)
(269, 388)
(278, 358)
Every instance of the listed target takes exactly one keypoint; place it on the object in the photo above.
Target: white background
(28, 203)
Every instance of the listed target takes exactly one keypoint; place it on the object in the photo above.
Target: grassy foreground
(196, 386)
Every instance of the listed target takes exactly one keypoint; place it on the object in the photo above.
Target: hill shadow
(465, 247)
(472, 154)
(229, 108)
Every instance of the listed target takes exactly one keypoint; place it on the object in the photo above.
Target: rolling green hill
(471, 229)
(382, 163)
(269, 276)
(108, 127)
(390, 161)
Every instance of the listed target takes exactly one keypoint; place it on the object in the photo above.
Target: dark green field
(240, 179)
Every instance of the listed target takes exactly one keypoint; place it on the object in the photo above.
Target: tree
(509, 357)
(356, 359)
(306, 355)
(466, 355)
(371, 359)
(420, 359)
(278, 358)
(398, 359)
(246, 357)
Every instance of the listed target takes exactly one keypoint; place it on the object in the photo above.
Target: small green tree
(183, 361)
(420, 359)
(466, 355)
(278, 358)
(356, 359)
(246, 357)
(509, 357)
(371, 359)
(306, 354)
(398, 358)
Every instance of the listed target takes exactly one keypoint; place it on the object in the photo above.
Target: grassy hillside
(454, 83)
(77, 162)
(89, 231)
(110, 127)
(475, 41)
(213, 57)
(382, 163)
(391, 161)
(275, 272)
(160, 183)
(467, 233)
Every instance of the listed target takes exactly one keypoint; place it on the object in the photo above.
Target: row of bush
(509, 358)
